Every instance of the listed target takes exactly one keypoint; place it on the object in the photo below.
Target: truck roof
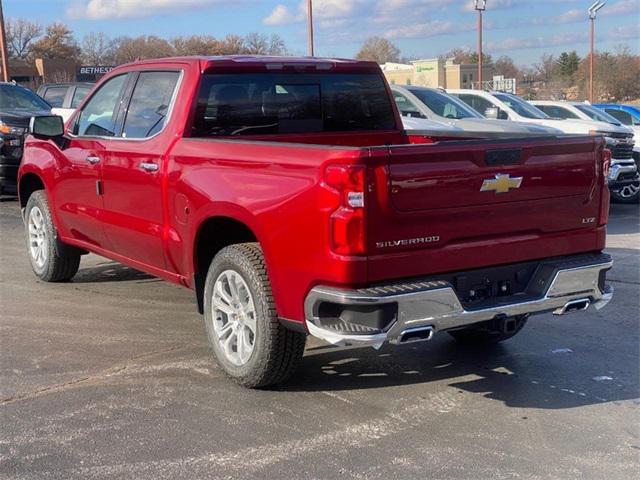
(264, 62)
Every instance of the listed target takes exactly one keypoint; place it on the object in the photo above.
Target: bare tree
(98, 49)
(547, 68)
(143, 47)
(379, 50)
(615, 76)
(232, 45)
(465, 56)
(277, 46)
(256, 44)
(196, 45)
(57, 42)
(21, 34)
(505, 66)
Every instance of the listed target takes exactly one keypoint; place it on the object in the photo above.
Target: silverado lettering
(264, 185)
(409, 241)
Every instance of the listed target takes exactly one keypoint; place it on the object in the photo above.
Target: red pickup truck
(285, 193)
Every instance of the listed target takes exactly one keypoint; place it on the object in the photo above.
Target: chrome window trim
(172, 103)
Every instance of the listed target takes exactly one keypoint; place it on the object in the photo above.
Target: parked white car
(435, 104)
(624, 181)
(576, 110)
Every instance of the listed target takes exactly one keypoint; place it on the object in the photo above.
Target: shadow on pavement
(111, 272)
(495, 371)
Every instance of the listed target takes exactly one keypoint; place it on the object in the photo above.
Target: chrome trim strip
(616, 170)
(439, 307)
(167, 119)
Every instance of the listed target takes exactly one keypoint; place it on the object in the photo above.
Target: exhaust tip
(417, 334)
(579, 305)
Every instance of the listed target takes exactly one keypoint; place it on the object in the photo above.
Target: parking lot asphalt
(109, 376)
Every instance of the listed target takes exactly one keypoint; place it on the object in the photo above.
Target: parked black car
(17, 106)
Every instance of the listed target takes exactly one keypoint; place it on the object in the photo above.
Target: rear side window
(269, 103)
(55, 96)
(79, 95)
(149, 104)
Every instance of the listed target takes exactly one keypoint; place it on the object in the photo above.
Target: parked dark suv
(17, 106)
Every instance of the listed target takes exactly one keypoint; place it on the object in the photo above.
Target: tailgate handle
(503, 157)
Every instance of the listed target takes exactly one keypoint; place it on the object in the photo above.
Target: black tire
(487, 332)
(55, 267)
(276, 351)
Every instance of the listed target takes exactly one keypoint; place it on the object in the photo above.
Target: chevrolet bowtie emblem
(501, 184)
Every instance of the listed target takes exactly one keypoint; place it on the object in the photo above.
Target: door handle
(149, 167)
(92, 160)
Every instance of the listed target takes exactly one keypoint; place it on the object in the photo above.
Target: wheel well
(215, 234)
(29, 183)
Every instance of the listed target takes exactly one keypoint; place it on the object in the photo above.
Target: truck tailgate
(448, 205)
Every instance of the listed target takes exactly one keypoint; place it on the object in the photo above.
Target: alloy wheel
(629, 191)
(234, 317)
(38, 244)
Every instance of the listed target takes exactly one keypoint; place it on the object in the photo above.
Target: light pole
(592, 20)
(480, 6)
(310, 28)
(3, 48)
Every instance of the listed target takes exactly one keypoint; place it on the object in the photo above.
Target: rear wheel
(46, 261)
(244, 332)
(493, 331)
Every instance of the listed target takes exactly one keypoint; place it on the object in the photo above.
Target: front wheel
(627, 194)
(244, 332)
(46, 261)
(490, 332)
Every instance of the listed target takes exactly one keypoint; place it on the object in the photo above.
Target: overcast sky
(523, 29)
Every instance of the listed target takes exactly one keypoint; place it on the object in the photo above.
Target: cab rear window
(266, 103)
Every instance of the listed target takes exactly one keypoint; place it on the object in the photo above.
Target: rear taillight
(605, 198)
(606, 162)
(347, 221)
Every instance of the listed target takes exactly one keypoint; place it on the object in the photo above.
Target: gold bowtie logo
(501, 184)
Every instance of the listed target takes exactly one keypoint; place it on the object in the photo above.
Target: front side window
(479, 104)
(406, 106)
(624, 117)
(149, 104)
(55, 96)
(557, 112)
(444, 105)
(521, 107)
(277, 103)
(595, 114)
(98, 115)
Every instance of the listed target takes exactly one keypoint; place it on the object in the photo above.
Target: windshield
(520, 106)
(13, 97)
(444, 105)
(596, 114)
(277, 103)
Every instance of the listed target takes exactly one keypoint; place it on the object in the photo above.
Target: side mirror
(491, 112)
(47, 127)
(502, 115)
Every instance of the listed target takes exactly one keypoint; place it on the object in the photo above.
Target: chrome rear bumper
(570, 284)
